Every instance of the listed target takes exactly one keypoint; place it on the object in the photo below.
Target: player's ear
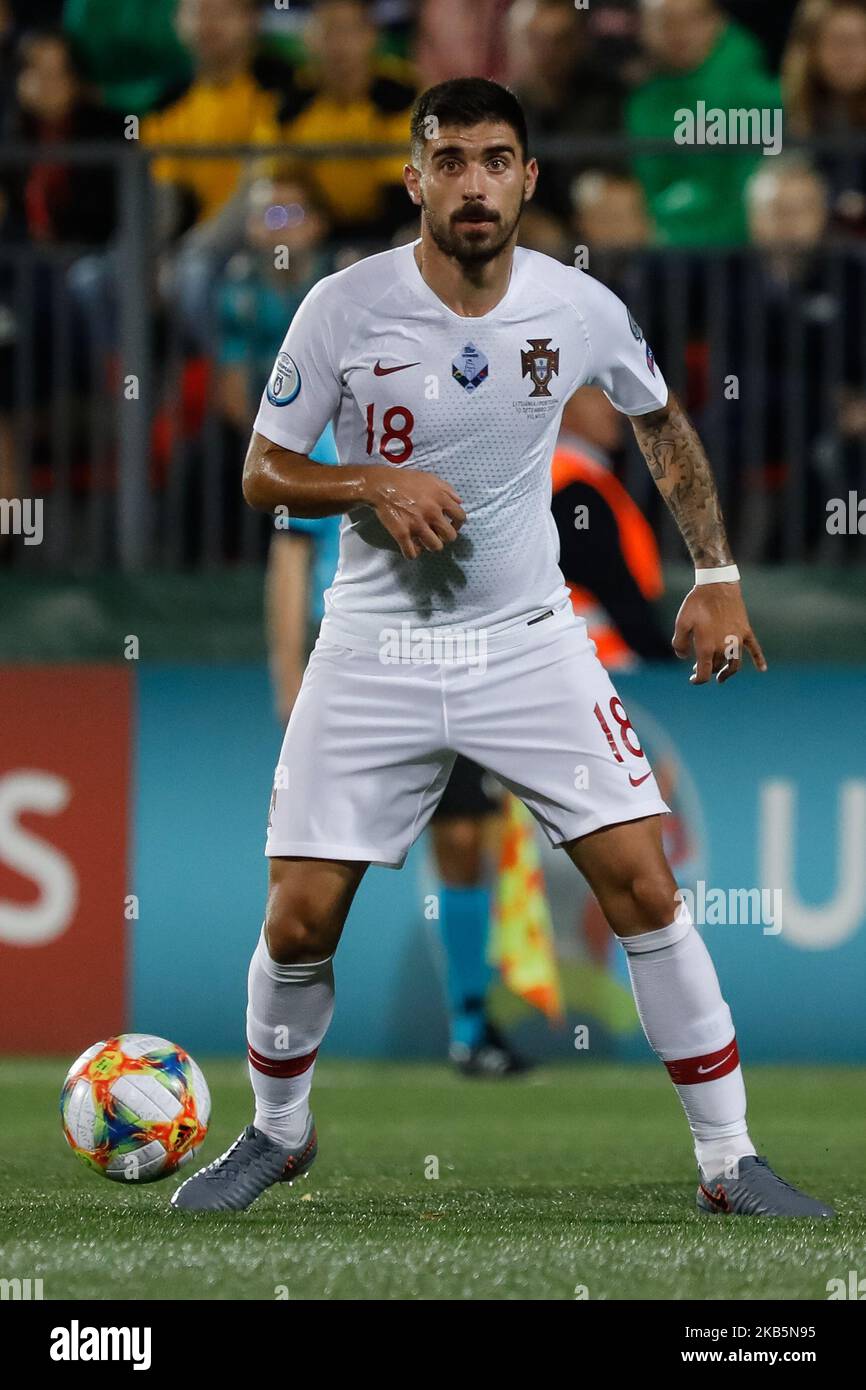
(412, 180)
(530, 178)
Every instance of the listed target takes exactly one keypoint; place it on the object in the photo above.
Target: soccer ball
(134, 1107)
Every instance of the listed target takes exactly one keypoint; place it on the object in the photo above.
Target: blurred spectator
(59, 208)
(33, 14)
(613, 231)
(283, 29)
(254, 300)
(787, 213)
(610, 211)
(52, 201)
(611, 227)
(699, 56)
(260, 293)
(797, 351)
(613, 27)
(129, 51)
(258, 297)
(564, 94)
(348, 93)
(824, 83)
(455, 39)
(232, 98)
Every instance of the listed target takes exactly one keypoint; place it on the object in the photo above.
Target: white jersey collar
(412, 276)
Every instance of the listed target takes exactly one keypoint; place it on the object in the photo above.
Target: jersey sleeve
(304, 388)
(622, 360)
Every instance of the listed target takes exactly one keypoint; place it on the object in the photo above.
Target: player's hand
(713, 621)
(418, 509)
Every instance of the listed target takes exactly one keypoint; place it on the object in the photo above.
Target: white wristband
(725, 574)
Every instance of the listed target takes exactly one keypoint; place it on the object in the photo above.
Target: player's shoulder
(588, 296)
(358, 284)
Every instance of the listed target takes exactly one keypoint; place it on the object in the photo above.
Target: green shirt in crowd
(695, 194)
(129, 49)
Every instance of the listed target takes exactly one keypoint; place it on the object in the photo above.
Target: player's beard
(465, 249)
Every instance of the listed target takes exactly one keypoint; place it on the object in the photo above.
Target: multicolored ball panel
(134, 1107)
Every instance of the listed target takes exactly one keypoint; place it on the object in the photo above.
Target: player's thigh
(363, 762)
(546, 720)
(626, 868)
(461, 824)
(308, 902)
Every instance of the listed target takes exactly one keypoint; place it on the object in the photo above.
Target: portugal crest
(540, 363)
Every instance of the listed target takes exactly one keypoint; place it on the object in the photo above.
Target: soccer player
(445, 365)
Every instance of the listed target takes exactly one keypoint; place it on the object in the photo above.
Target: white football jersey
(477, 401)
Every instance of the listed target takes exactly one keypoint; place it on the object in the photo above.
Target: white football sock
(689, 1026)
(288, 1013)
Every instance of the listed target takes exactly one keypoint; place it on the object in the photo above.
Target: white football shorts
(371, 742)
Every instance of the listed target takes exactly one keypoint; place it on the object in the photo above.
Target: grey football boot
(757, 1191)
(240, 1175)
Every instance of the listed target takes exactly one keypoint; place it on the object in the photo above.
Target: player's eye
(449, 165)
(498, 161)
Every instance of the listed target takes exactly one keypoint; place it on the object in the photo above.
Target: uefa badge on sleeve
(285, 381)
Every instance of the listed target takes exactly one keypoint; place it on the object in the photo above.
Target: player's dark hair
(466, 101)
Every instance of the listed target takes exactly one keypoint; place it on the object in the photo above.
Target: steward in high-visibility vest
(609, 557)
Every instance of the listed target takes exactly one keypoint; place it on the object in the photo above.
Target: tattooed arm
(713, 617)
(681, 470)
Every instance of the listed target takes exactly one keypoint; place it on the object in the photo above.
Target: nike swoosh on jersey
(716, 1065)
(379, 370)
(636, 781)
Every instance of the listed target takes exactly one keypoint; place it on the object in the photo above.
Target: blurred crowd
(207, 72)
(314, 73)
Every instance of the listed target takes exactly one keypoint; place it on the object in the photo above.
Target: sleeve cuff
(286, 440)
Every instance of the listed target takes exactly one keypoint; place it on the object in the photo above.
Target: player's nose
(474, 189)
(474, 199)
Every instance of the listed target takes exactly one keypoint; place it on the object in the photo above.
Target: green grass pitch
(576, 1176)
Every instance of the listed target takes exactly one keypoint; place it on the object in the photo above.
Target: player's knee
(652, 901)
(296, 931)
